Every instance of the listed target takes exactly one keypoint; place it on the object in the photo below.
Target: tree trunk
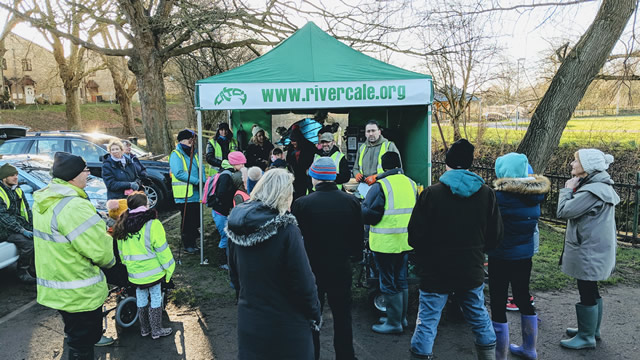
(128, 124)
(72, 108)
(571, 81)
(148, 70)
(455, 122)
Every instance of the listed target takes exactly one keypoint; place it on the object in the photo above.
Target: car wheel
(153, 194)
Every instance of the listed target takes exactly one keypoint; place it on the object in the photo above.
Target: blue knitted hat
(323, 169)
(512, 165)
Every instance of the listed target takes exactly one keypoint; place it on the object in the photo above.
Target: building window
(26, 65)
(4, 64)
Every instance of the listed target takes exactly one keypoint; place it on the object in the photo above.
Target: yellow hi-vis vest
(71, 244)
(217, 149)
(181, 189)
(23, 208)
(146, 254)
(336, 157)
(390, 235)
(383, 149)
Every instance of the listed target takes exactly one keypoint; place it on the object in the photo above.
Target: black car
(92, 147)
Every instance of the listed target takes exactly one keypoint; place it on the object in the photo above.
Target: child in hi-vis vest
(144, 250)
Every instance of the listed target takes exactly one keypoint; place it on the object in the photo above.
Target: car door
(47, 147)
(15, 147)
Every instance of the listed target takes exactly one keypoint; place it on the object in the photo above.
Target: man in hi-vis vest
(329, 149)
(387, 208)
(71, 245)
(16, 221)
(368, 163)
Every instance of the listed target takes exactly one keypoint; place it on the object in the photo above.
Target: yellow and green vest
(390, 235)
(23, 207)
(147, 255)
(217, 149)
(182, 189)
(383, 149)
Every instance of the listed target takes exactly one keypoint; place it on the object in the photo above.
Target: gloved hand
(134, 186)
(371, 179)
(27, 234)
(359, 177)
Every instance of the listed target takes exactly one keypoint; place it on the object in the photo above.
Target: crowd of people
(289, 232)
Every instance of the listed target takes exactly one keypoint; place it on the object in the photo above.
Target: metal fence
(627, 187)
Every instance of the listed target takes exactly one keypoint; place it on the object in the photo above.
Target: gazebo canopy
(313, 70)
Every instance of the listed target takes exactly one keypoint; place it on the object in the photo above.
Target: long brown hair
(134, 200)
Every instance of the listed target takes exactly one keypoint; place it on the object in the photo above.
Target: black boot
(81, 354)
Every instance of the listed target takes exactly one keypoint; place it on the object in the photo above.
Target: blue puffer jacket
(118, 178)
(519, 201)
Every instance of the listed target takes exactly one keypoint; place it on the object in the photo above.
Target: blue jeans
(142, 296)
(392, 271)
(221, 222)
(430, 310)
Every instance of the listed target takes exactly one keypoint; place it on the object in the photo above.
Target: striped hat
(323, 169)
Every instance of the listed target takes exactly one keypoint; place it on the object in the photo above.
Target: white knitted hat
(594, 160)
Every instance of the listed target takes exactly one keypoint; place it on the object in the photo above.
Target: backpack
(210, 186)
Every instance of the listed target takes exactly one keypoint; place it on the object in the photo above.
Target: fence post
(636, 207)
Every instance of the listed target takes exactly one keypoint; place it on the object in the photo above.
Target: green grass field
(623, 131)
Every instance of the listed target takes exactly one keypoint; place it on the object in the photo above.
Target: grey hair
(115, 142)
(275, 189)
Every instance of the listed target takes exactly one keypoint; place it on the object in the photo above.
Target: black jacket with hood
(452, 225)
(277, 296)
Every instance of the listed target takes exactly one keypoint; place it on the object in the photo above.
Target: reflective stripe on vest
(55, 235)
(217, 152)
(74, 284)
(23, 208)
(150, 254)
(181, 189)
(390, 235)
(383, 149)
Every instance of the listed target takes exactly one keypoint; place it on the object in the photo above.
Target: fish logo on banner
(228, 94)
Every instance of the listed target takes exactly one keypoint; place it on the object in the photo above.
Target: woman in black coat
(300, 154)
(278, 305)
(118, 172)
(259, 150)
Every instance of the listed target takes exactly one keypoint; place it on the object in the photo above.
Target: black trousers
(588, 292)
(25, 250)
(190, 222)
(83, 330)
(501, 274)
(339, 298)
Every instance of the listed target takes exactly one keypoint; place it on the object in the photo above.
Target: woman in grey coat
(588, 202)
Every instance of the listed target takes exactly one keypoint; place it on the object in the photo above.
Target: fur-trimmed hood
(534, 185)
(253, 222)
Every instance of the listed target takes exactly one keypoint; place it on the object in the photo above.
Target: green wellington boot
(486, 352)
(393, 325)
(573, 331)
(587, 322)
(405, 306)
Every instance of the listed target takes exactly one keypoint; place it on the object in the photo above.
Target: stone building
(30, 74)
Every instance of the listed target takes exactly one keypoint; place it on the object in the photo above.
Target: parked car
(92, 147)
(34, 173)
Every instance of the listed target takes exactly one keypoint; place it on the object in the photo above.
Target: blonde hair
(115, 142)
(275, 189)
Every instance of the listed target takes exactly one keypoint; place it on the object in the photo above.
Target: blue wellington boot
(587, 322)
(502, 339)
(529, 324)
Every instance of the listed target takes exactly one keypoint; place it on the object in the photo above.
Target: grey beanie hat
(594, 160)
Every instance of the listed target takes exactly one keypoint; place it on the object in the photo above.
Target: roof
(439, 97)
(311, 55)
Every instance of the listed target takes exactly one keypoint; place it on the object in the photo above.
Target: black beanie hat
(460, 155)
(67, 166)
(185, 134)
(390, 160)
(223, 126)
(7, 170)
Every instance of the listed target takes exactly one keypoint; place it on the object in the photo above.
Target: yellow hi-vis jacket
(217, 149)
(384, 146)
(180, 188)
(146, 254)
(71, 245)
(23, 207)
(390, 235)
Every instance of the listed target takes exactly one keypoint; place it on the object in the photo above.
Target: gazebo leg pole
(200, 170)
